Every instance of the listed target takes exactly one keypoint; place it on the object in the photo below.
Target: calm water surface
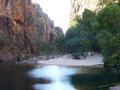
(38, 77)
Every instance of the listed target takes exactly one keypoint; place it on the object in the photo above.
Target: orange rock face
(17, 28)
(16, 10)
(18, 31)
(22, 27)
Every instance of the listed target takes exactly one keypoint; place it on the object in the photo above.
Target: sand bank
(68, 61)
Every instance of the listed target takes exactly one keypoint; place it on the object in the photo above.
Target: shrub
(76, 56)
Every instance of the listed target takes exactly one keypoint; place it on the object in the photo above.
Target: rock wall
(44, 25)
(59, 31)
(17, 28)
(22, 27)
(79, 6)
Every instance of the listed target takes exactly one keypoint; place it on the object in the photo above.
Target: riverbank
(115, 87)
(65, 60)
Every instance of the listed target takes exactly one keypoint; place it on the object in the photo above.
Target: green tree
(72, 45)
(108, 21)
(80, 37)
(60, 41)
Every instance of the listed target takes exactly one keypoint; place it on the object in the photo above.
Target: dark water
(38, 77)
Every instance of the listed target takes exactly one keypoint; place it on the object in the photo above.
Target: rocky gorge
(24, 27)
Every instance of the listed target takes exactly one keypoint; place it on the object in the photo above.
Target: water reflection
(57, 74)
(37, 77)
(72, 78)
(54, 86)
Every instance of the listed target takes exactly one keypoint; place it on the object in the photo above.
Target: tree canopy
(95, 32)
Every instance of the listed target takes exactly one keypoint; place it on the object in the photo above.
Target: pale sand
(68, 61)
(115, 88)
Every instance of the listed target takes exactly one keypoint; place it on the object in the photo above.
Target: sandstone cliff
(45, 26)
(22, 27)
(58, 31)
(17, 28)
(79, 6)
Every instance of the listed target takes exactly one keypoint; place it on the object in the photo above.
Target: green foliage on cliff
(105, 2)
(74, 19)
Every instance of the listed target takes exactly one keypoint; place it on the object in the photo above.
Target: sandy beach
(68, 61)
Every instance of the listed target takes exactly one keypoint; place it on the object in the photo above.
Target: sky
(57, 10)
